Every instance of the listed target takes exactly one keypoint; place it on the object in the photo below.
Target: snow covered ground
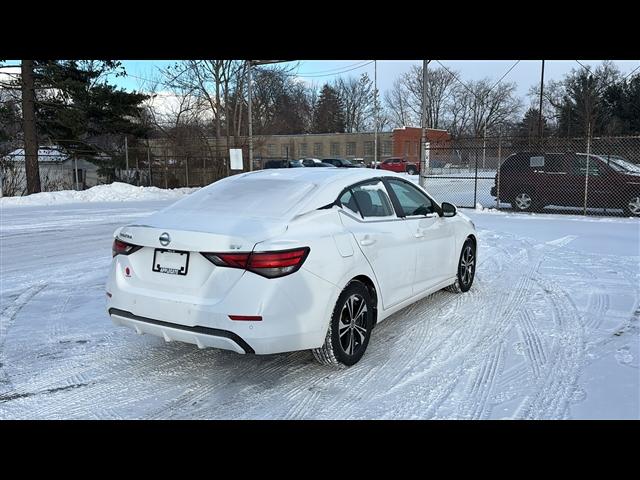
(550, 329)
(114, 192)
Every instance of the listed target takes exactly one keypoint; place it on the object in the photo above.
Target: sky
(525, 73)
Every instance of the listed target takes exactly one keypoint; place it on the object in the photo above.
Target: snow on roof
(45, 155)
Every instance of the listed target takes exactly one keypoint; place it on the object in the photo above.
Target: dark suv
(340, 162)
(531, 181)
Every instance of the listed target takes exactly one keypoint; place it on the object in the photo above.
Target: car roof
(328, 182)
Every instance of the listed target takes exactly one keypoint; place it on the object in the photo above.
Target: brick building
(401, 142)
(406, 142)
(324, 145)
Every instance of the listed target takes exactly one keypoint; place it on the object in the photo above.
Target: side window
(412, 201)
(348, 202)
(372, 200)
(516, 163)
(554, 163)
(579, 165)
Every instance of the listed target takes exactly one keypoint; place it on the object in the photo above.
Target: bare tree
(481, 104)
(404, 100)
(357, 95)
(396, 105)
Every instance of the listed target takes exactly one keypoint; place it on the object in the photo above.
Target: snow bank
(114, 192)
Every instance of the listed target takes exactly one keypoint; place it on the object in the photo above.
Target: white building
(57, 171)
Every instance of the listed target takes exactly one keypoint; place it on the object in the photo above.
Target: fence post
(586, 170)
(498, 168)
(149, 163)
(475, 183)
(484, 146)
(202, 177)
(186, 170)
(166, 170)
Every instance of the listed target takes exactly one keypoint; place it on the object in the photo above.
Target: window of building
(386, 147)
(271, 150)
(368, 148)
(284, 151)
(335, 149)
(351, 148)
(406, 147)
(304, 150)
(317, 149)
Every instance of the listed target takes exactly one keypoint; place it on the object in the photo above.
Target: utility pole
(32, 169)
(250, 118)
(423, 142)
(375, 113)
(540, 127)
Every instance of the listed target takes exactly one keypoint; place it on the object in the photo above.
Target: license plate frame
(157, 267)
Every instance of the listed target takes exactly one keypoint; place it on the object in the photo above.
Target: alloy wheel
(467, 265)
(523, 201)
(352, 327)
(634, 205)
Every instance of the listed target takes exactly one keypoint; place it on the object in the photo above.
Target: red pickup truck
(400, 165)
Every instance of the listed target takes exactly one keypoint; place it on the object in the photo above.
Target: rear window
(247, 197)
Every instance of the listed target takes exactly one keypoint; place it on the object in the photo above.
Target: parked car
(306, 259)
(314, 162)
(400, 165)
(340, 162)
(282, 164)
(530, 181)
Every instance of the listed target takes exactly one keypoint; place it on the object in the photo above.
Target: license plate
(172, 262)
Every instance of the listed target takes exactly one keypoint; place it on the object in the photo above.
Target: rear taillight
(268, 264)
(123, 248)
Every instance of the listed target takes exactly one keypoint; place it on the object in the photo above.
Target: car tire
(412, 170)
(525, 201)
(631, 207)
(466, 268)
(349, 331)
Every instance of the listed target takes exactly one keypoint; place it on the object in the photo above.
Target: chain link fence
(590, 176)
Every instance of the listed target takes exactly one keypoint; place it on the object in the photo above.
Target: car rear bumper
(203, 337)
(294, 312)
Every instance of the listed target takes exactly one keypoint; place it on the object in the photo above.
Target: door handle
(365, 242)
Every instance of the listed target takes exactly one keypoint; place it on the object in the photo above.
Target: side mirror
(448, 209)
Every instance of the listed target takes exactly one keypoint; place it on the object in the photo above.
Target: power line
(507, 73)
(362, 63)
(343, 70)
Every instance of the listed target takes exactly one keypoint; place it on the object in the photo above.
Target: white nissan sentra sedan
(288, 259)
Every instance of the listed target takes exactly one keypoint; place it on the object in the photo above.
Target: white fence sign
(235, 156)
(427, 150)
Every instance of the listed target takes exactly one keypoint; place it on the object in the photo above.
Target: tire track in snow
(10, 312)
(7, 318)
(552, 391)
(534, 351)
(481, 385)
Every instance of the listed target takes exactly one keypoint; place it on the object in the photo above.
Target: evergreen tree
(329, 113)
(622, 102)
